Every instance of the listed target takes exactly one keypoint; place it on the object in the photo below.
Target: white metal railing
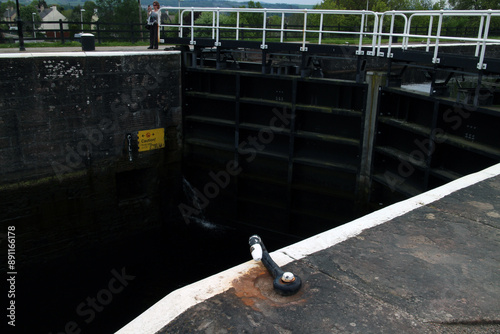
(381, 36)
(435, 38)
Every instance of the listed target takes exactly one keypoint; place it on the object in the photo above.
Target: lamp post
(20, 28)
(34, 32)
(81, 17)
(140, 19)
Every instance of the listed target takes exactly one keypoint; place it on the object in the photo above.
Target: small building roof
(9, 14)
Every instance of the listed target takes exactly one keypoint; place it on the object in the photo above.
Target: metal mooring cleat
(285, 283)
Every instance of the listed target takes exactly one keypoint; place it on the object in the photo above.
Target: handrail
(480, 41)
(311, 26)
(306, 29)
(391, 33)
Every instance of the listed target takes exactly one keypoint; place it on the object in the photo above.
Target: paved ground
(433, 270)
(30, 49)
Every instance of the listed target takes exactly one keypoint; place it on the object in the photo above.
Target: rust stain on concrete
(255, 289)
(245, 289)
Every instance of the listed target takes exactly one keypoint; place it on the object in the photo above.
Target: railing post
(263, 46)
(380, 31)
(282, 26)
(478, 44)
(374, 35)
(406, 33)
(480, 64)
(429, 33)
(132, 32)
(321, 28)
(237, 26)
(391, 31)
(61, 30)
(363, 18)
(98, 32)
(435, 59)
(192, 26)
(304, 34)
(180, 22)
(213, 24)
(217, 29)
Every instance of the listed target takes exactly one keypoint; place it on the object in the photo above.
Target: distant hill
(174, 3)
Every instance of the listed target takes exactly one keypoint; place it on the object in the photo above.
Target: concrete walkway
(30, 49)
(430, 264)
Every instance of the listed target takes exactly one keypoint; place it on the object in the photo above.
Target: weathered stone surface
(432, 270)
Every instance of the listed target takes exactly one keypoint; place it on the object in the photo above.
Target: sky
(291, 2)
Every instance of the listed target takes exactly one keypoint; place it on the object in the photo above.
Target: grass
(312, 39)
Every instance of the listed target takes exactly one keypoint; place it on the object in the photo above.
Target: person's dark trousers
(153, 36)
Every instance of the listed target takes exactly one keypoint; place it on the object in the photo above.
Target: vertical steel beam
(237, 110)
(375, 80)
(291, 151)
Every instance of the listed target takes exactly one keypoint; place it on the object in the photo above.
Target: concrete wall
(67, 178)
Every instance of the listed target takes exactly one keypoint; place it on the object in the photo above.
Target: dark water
(101, 289)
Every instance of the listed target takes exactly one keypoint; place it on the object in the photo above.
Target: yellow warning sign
(151, 139)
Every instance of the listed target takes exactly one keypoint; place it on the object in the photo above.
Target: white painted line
(178, 301)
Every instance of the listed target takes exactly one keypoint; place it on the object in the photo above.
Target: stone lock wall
(71, 174)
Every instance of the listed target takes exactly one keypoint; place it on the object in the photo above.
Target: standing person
(153, 23)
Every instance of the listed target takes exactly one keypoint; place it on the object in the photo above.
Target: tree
(27, 16)
(40, 3)
(398, 4)
(106, 10)
(475, 4)
(252, 19)
(5, 5)
(249, 19)
(119, 11)
(206, 19)
(90, 7)
(379, 6)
